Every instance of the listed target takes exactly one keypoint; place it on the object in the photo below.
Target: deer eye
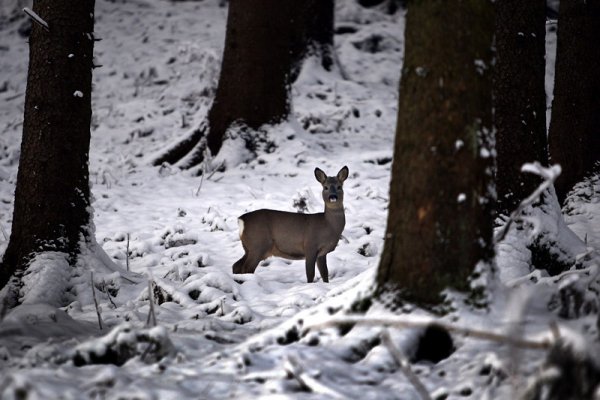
(339, 187)
(326, 187)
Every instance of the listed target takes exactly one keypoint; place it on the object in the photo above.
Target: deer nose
(333, 198)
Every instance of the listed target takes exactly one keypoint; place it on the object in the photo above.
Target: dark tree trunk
(574, 135)
(440, 215)
(519, 98)
(265, 43)
(52, 193)
(320, 27)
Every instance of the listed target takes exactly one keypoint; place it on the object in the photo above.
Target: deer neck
(335, 217)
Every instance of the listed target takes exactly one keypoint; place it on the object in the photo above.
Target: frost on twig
(549, 175)
(36, 18)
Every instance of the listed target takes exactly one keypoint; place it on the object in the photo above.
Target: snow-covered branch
(549, 175)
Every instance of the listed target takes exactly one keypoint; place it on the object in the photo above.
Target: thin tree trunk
(519, 98)
(440, 215)
(574, 135)
(51, 211)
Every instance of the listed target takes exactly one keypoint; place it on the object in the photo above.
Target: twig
(293, 367)
(404, 365)
(214, 171)
(127, 254)
(205, 166)
(146, 351)
(96, 301)
(151, 314)
(549, 175)
(36, 18)
(108, 294)
(555, 330)
(398, 322)
(3, 232)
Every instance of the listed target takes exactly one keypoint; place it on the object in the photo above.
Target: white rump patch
(241, 225)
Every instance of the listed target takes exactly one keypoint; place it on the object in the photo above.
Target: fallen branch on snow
(424, 322)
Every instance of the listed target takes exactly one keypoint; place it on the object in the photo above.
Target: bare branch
(424, 322)
(36, 18)
(3, 232)
(404, 365)
(96, 301)
(293, 367)
(127, 254)
(108, 294)
(151, 314)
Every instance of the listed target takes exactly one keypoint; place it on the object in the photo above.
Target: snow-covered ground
(220, 335)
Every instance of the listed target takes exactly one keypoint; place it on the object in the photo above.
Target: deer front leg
(322, 265)
(310, 267)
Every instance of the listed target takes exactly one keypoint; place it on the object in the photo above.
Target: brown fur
(295, 236)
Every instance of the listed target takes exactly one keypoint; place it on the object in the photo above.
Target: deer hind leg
(247, 264)
(238, 267)
(254, 253)
(322, 265)
(251, 262)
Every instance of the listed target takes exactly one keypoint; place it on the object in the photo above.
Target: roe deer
(295, 236)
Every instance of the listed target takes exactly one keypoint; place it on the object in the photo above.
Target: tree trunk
(574, 135)
(440, 215)
(52, 194)
(265, 43)
(519, 98)
(320, 27)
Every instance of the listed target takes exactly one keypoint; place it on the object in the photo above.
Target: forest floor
(224, 336)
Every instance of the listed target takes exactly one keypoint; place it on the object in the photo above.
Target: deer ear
(320, 175)
(343, 174)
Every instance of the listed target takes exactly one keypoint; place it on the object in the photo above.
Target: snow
(220, 335)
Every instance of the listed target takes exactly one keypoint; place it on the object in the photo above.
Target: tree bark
(51, 210)
(320, 26)
(440, 215)
(519, 98)
(574, 135)
(265, 43)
